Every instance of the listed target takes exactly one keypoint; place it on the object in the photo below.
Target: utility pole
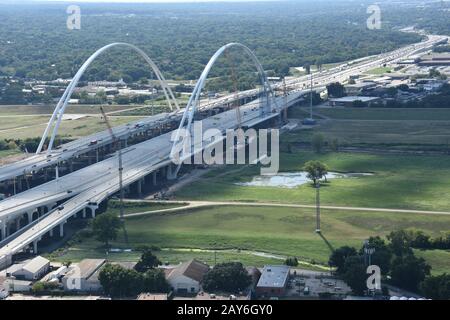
(285, 100)
(368, 251)
(215, 253)
(311, 98)
(318, 207)
(119, 143)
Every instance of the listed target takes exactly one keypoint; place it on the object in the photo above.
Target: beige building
(187, 277)
(84, 276)
(34, 269)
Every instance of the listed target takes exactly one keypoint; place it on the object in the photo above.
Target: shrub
(291, 261)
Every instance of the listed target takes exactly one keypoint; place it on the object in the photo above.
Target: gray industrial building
(273, 281)
(32, 270)
(435, 59)
(350, 100)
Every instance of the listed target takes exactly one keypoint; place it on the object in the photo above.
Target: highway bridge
(15, 175)
(28, 216)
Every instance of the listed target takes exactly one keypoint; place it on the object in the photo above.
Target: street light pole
(318, 207)
(119, 142)
(121, 183)
(311, 97)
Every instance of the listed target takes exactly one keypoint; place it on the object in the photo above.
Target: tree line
(398, 264)
(37, 45)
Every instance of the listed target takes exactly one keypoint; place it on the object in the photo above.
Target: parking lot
(315, 285)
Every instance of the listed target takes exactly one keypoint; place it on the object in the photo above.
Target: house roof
(192, 269)
(273, 277)
(360, 85)
(14, 268)
(36, 264)
(152, 296)
(86, 268)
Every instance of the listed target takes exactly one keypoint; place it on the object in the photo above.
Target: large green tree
(400, 242)
(148, 261)
(355, 274)
(106, 227)
(382, 255)
(335, 90)
(436, 287)
(155, 281)
(338, 257)
(118, 281)
(408, 271)
(228, 277)
(315, 170)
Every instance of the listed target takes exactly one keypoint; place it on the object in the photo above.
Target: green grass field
(19, 122)
(22, 127)
(7, 153)
(399, 181)
(379, 71)
(48, 109)
(282, 231)
(397, 128)
(386, 113)
(395, 134)
(438, 259)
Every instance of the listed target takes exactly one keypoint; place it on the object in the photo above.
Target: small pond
(294, 179)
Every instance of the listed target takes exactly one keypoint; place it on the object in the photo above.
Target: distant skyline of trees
(35, 43)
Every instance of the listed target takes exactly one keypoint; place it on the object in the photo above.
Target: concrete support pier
(61, 229)
(139, 187)
(3, 229)
(93, 210)
(154, 175)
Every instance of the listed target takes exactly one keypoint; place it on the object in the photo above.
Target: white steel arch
(193, 102)
(64, 100)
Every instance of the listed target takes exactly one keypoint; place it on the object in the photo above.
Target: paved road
(80, 146)
(199, 204)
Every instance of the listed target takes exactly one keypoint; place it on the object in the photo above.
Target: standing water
(293, 179)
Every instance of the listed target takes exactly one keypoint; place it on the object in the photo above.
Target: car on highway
(306, 291)
(93, 142)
